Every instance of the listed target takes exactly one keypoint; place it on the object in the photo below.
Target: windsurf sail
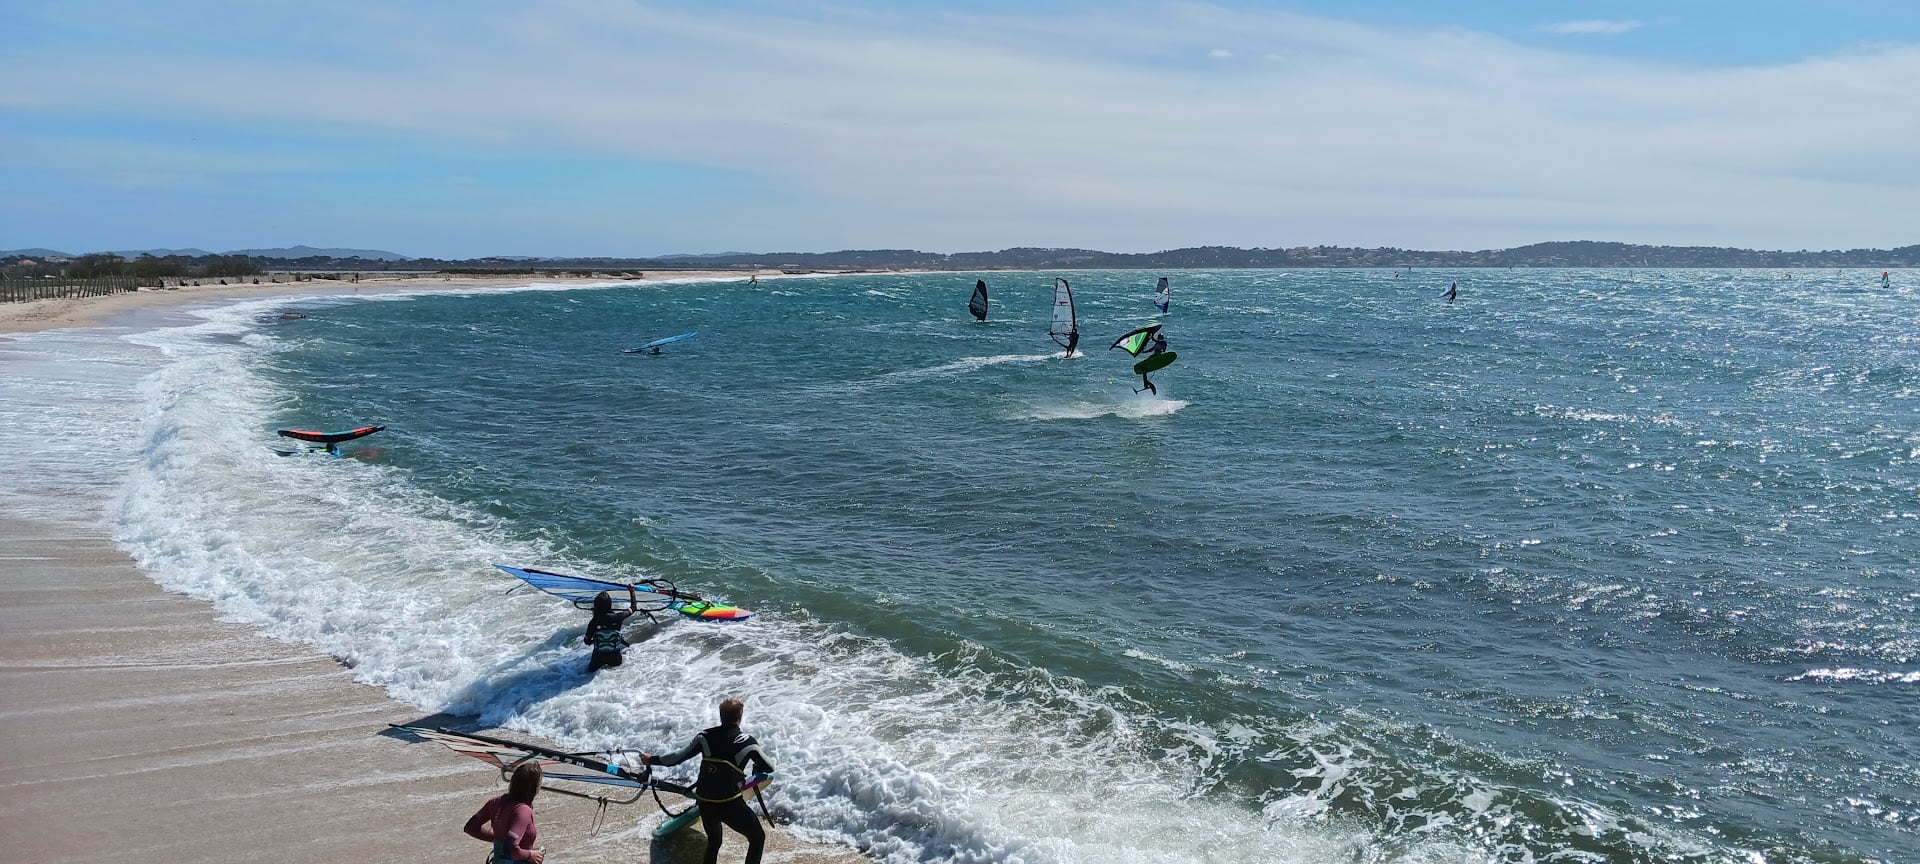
(655, 595)
(594, 770)
(328, 438)
(654, 346)
(978, 303)
(1163, 295)
(1065, 329)
(1136, 341)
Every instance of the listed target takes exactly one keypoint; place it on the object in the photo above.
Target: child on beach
(507, 821)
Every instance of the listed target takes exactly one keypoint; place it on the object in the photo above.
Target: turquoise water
(1586, 566)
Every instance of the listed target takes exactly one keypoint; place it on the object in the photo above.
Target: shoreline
(29, 316)
(142, 725)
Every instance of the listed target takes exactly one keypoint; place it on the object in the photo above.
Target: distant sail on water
(1163, 295)
(1065, 329)
(978, 303)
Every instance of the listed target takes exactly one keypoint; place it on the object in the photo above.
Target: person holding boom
(725, 753)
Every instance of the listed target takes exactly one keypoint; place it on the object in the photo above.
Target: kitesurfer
(725, 753)
(603, 632)
(1452, 292)
(506, 821)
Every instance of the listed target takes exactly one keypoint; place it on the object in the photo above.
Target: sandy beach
(138, 726)
(59, 314)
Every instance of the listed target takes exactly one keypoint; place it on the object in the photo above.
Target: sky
(466, 128)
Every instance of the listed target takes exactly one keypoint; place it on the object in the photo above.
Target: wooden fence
(45, 289)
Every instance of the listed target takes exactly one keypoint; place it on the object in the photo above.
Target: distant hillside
(297, 252)
(1584, 253)
(1580, 253)
(33, 253)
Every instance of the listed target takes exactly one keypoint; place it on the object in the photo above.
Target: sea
(1583, 566)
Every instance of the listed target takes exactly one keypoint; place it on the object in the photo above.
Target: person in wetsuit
(725, 752)
(1159, 346)
(603, 632)
(506, 821)
(1452, 292)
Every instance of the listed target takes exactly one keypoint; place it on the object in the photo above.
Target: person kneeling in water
(724, 753)
(603, 632)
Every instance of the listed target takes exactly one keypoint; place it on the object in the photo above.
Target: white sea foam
(1130, 409)
(1870, 676)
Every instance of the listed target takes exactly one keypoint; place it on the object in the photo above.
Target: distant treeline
(146, 268)
(1567, 254)
(1570, 254)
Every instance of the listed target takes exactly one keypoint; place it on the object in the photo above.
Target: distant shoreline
(63, 313)
(1581, 253)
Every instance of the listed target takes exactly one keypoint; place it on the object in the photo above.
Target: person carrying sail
(506, 821)
(603, 632)
(725, 752)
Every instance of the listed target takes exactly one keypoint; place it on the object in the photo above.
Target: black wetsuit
(1073, 341)
(725, 753)
(603, 633)
(1159, 347)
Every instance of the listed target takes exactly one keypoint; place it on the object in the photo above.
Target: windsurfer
(725, 753)
(603, 632)
(1452, 292)
(1073, 341)
(506, 821)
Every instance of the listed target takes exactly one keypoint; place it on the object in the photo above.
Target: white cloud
(952, 131)
(1220, 54)
(1594, 27)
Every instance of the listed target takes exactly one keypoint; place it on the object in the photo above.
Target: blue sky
(608, 127)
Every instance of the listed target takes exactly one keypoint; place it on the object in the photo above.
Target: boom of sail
(593, 769)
